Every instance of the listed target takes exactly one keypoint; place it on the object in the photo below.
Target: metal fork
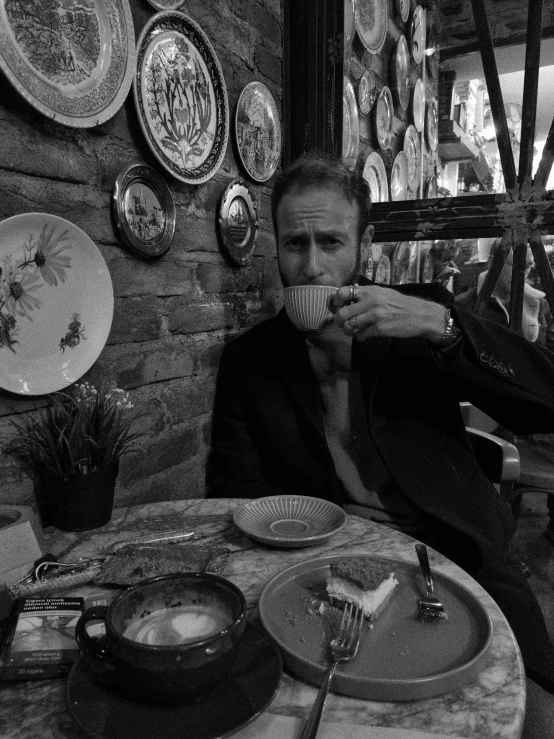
(429, 606)
(343, 648)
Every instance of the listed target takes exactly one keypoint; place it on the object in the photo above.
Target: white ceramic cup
(307, 306)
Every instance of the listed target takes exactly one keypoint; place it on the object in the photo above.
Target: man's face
(317, 240)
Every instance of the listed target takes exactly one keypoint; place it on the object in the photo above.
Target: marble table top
(491, 706)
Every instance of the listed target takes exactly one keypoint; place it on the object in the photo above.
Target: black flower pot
(77, 502)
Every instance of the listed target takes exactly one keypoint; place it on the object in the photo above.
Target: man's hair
(319, 171)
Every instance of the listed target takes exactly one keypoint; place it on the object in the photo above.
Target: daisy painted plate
(56, 303)
(289, 520)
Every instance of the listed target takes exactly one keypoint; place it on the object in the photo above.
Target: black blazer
(268, 433)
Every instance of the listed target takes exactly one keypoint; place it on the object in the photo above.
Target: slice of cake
(367, 583)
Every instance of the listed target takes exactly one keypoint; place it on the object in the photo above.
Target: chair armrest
(498, 459)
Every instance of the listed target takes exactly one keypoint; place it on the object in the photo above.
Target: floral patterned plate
(78, 72)
(412, 149)
(181, 97)
(350, 125)
(371, 23)
(401, 69)
(258, 131)
(56, 303)
(384, 118)
(418, 105)
(376, 176)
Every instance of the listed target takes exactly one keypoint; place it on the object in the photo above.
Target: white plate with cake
(401, 657)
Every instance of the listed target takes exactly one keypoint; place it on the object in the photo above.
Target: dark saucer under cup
(105, 709)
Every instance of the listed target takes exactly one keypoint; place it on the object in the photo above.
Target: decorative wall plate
(403, 7)
(401, 68)
(349, 22)
(399, 177)
(404, 263)
(181, 97)
(367, 91)
(57, 303)
(78, 72)
(412, 149)
(432, 57)
(238, 221)
(384, 118)
(371, 23)
(258, 131)
(376, 176)
(166, 4)
(432, 130)
(144, 210)
(418, 105)
(432, 188)
(418, 34)
(350, 125)
(382, 271)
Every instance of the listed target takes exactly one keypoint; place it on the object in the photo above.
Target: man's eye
(332, 242)
(294, 246)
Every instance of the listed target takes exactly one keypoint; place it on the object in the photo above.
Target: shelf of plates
(390, 117)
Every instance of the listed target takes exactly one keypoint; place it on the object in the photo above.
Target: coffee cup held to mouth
(171, 638)
(307, 306)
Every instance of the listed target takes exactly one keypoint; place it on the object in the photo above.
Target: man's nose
(313, 258)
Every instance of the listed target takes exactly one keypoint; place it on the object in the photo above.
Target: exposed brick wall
(172, 316)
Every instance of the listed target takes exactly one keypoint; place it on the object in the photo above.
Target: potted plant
(73, 447)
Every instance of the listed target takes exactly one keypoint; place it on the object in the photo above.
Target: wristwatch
(451, 331)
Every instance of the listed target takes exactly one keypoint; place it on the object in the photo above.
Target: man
(366, 411)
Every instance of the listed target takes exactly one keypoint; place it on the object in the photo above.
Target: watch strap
(451, 331)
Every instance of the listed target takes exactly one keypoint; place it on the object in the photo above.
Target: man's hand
(381, 312)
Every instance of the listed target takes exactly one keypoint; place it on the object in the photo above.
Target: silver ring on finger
(354, 289)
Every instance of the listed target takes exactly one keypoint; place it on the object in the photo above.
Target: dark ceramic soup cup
(173, 673)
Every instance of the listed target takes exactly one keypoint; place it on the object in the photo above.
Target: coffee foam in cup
(307, 306)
